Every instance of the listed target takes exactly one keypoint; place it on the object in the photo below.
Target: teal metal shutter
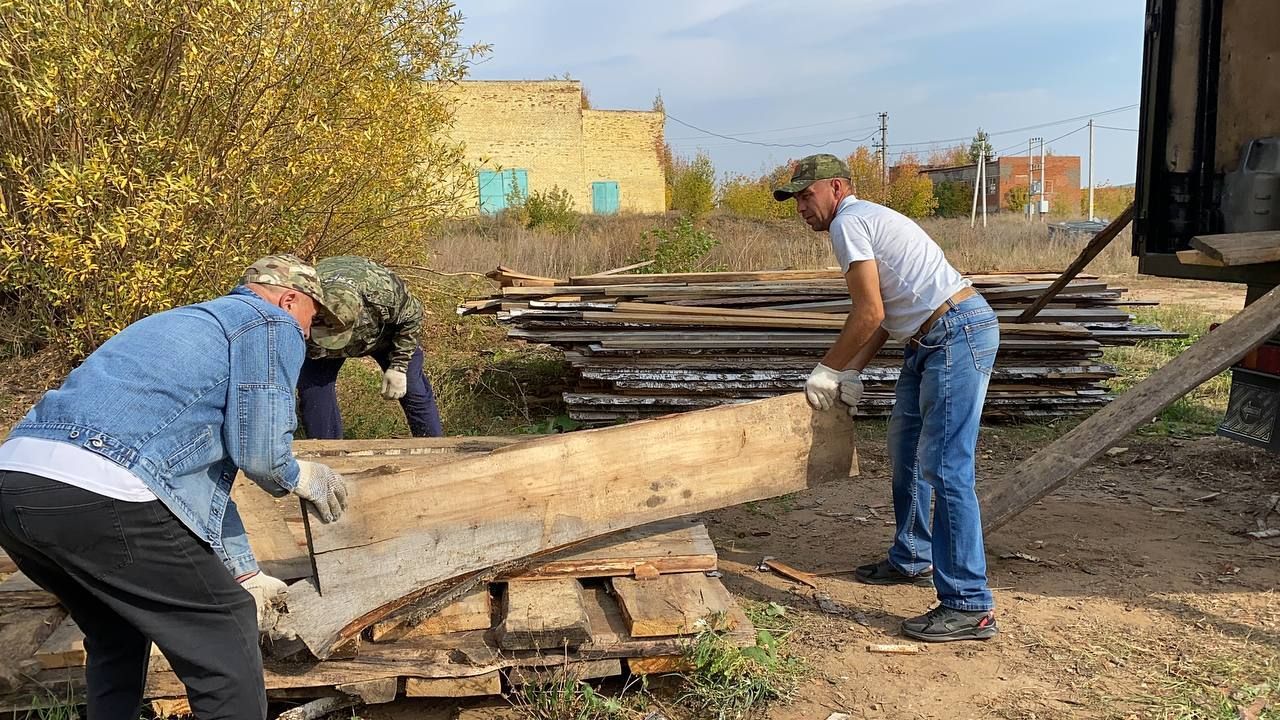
(604, 197)
(499, 187)
(493, 196)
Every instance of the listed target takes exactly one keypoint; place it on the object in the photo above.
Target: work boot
(884, 573)
(944, 624)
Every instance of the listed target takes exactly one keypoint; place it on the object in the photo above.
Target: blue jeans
(318, 398)
(933, 437)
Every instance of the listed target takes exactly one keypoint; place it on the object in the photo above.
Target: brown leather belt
(961, 295)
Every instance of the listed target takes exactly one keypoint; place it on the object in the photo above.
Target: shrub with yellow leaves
(149, 151)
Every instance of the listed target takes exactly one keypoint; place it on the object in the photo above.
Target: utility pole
(1043, 187)
(984, 184)
(1090, 169)
(884, 148)
(979, 186)
(1031, 176)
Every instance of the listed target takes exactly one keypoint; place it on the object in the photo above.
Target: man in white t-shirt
(903, 288)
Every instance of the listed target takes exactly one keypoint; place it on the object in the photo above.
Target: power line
(1046, 142)
(1108, 127)
(695, 139)
(766, 144)
(793, 127)
(1086, 116)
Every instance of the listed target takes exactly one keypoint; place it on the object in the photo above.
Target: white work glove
(394, 384)
(268, 595)
(851, 393)
(319, 485)
(822, 389)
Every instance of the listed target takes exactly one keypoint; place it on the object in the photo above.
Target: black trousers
(129, 574)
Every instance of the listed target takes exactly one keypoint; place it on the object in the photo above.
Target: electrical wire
(1108, 127)
(793, 127)
(767, 144)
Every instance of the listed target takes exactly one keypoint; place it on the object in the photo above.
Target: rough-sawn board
(405, 532)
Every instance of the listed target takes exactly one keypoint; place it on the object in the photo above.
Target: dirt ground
(1214, 298)
(1132, 581)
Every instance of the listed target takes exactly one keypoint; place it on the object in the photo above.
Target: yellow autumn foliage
(149, 151)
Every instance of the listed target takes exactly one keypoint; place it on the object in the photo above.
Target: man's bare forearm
(860, 331)
(868, 351)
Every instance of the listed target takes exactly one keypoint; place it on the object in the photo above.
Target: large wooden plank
(1052, 466)
(18, 591)
(22, 632)
(274, 525)
(406, 532)
(673, 604)
(1251, 248)
(709, 277)
(669, 546)
(543, 615)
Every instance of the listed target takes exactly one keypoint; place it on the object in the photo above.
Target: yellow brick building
(529, 136)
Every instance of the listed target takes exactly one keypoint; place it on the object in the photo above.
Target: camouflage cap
(292, 272)
(810, 170)
(345, 303)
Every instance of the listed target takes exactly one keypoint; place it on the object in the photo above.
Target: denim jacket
(182, 399)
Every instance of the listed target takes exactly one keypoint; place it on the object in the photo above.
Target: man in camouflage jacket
(382, 320)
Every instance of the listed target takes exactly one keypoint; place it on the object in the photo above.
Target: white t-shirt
(73, 465)
(915, 277)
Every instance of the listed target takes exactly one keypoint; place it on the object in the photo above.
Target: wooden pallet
(593, 627)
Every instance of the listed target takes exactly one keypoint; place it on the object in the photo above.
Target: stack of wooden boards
(645, 345)
(467, 565)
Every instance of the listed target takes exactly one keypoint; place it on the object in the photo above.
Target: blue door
(604, 197)
(498, 187)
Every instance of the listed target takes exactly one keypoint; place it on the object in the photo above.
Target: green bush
(955, 199)
(149, 151)
(683, 248)
(551, 210)
(753, 197)
(693, 185)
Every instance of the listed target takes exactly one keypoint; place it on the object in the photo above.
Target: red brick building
(1061, 180)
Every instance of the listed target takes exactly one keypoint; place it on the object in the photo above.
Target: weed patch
(728, 682)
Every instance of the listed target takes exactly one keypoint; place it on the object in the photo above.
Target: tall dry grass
(599, 243)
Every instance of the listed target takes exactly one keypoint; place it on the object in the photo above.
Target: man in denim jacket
(115, 490)
(902, 287)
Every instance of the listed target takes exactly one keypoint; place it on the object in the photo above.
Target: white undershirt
(73, 465)
(915, 277)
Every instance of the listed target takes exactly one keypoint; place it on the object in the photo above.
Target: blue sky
(940, 68)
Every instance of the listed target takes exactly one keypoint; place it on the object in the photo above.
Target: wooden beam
(407, 532)
(1086, 256)
(1234, 249)
(543, 615)
(585, 670)
(473, 611)
(1052, 466)
(489, 683)
(673, 604)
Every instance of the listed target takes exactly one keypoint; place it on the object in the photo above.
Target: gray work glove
(319, 485)
(851, 393)
(395, 383)
(268, 595)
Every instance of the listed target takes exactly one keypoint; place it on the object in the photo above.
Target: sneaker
(944, 624)
(884, 573)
